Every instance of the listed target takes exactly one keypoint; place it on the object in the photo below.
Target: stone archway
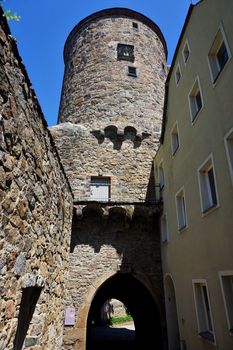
(138, 300)
(171, 313)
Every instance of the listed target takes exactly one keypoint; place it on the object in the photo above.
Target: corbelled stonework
(35, 212)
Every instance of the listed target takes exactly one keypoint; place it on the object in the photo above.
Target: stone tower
(109, 124)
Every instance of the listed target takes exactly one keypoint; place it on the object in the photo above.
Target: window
(174, 139)
(125, 52)
(195, 100)
(218, 55)
(181, 210)
(226, 279)
(161, 176)
(100, 188)
(28, 303)
(229, 151)
(164, 228)
(186, 52)
(132, 72)
(177, 74)
(203, 311)
(207, 185)
(135, 25)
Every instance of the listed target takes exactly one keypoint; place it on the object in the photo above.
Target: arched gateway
(109, 124)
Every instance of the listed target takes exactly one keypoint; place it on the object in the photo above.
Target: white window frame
(204, 322)
(194, 111)
(181, 209)
(212, 60)
(229, 313)
(175, 137)
(176, 71)
(229, 151)
(164, 228)
(186, 44)
(205, 192)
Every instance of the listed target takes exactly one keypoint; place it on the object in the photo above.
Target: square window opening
(132, 72)
(135, 25)
(125, 52)
(100, 189)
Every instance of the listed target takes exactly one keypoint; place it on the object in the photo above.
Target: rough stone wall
(97, 89)
(127, 163)
(109, 126)
(122, 240)
(35, 208)
(117, 117)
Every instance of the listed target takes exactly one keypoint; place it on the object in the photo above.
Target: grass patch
(121, 319)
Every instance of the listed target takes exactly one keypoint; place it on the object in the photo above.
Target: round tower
(109, 126)
(111, 103)
(114, 71)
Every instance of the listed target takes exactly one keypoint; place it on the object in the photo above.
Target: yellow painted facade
(196, 155)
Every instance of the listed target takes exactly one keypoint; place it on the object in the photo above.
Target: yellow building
(194, 166)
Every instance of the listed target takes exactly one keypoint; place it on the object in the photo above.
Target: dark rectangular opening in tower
(125, 52)
(132, 72)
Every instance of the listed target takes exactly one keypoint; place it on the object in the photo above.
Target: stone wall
(112, 240)
(110, 122)
(109, 126)
(35, 210)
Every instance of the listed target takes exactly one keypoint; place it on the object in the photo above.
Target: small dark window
(210, 174)
(198, 101)
(135, 25)
(222, 55)
(125, 52)
(132, 72)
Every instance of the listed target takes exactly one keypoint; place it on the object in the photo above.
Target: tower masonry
(113, 92)
(108, 132)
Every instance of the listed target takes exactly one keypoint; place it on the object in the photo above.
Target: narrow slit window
(181, 210)
(175, 143)
(229, 151)
(186, 52)
(226, 279)
(28, 303)
(178, 75)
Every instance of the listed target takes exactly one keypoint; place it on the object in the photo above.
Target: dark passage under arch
(141, 305)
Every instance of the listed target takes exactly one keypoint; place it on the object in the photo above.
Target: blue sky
(45, 25)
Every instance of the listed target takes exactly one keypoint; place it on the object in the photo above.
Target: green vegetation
(121, 319)
(9, 14)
